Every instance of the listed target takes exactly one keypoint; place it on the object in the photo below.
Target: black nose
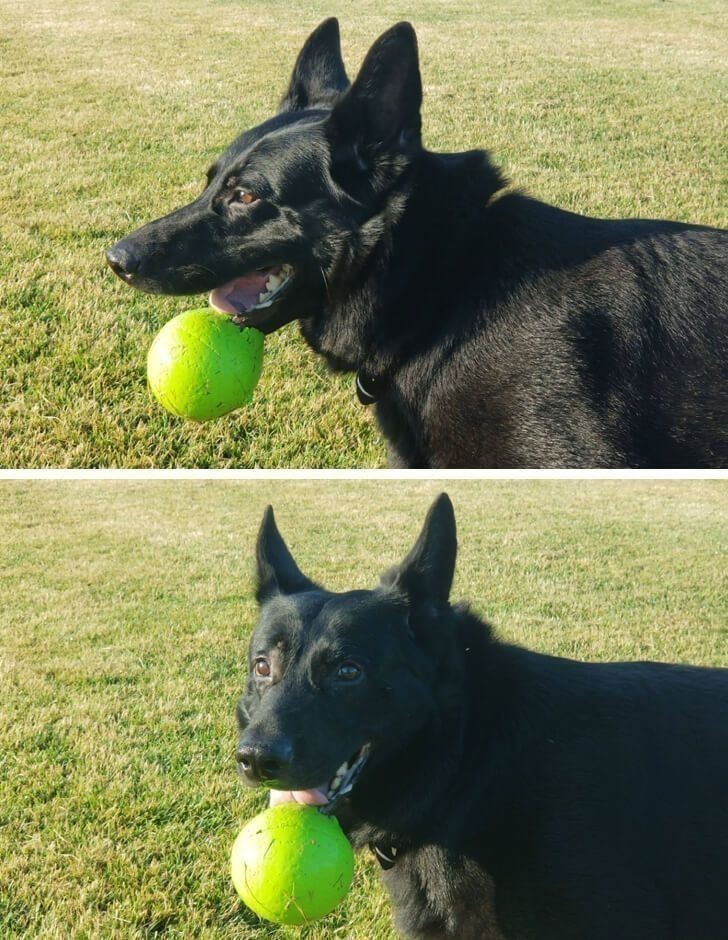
(123, 259)
(269, 761)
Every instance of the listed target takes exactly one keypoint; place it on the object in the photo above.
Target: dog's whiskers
(197, 269)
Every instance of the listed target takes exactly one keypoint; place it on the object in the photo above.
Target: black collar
(385, 855)
(368, 388)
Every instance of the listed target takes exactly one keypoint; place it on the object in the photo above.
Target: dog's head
(342, 684)
(295, 201)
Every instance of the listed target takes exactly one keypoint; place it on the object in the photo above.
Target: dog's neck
(396, 804)
(397, 299)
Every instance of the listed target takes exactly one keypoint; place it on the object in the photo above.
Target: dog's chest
(437, 894)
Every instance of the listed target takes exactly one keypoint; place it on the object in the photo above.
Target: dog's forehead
(285, 615)
(322, 615)
(281, 135)
(356, 611)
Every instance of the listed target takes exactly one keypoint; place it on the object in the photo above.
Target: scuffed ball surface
(291, 865)
(202, 366)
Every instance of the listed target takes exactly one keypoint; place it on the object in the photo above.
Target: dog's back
(600, 343)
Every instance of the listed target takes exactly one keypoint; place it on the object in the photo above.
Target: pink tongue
(315, 797)
(239, 295)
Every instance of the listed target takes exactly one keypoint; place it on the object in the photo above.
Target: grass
(126, 608)
(112, 111)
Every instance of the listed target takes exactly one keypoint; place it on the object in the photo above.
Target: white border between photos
(363, 475)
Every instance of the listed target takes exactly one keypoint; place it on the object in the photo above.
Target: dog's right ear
(277, 572)
(319, 76)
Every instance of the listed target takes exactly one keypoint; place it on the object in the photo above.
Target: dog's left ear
(425, 576)
(319, 76)
(381, 110)
(277, 572)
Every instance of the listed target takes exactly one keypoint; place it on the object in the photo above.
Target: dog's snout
(123, 259)
(269, 761)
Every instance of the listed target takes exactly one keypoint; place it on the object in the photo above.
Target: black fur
(527, 797)
(502, 332)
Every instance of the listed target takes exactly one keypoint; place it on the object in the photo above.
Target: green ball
(201, 365)
(291, 864)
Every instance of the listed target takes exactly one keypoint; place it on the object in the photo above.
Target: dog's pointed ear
(277, 572)
(425, 576)
(319, 76)
(381, 110)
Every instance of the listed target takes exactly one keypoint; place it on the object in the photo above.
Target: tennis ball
(291, 864)
(201, 365)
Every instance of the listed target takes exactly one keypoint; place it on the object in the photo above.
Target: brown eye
(348, 672)
(242, 195)
(261, 667)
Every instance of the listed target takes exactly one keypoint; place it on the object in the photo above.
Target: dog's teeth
(264, 295)
(273, 282)
(338, 778)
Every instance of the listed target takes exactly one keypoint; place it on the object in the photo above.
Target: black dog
(507, 794)
(491, 330)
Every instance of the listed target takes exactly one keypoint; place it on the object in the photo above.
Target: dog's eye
(244, 196)
(261, 667)
(348, 672)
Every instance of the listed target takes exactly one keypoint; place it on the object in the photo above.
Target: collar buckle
(368, 389)
(386, 857)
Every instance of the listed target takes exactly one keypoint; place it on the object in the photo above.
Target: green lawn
(111, 112)
(126, 608)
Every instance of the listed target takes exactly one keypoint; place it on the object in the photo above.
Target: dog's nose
(123, 259)
(268, 761)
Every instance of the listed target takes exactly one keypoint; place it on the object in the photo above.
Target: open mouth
(327, 795)
(255, 291)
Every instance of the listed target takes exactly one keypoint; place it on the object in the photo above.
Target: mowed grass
(111, 113)
(126, 608)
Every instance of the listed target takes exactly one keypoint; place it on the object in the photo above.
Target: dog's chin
(328, 796)
(260, 299)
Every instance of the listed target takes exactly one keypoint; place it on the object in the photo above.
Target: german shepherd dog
(508, 795)
(487, 328)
